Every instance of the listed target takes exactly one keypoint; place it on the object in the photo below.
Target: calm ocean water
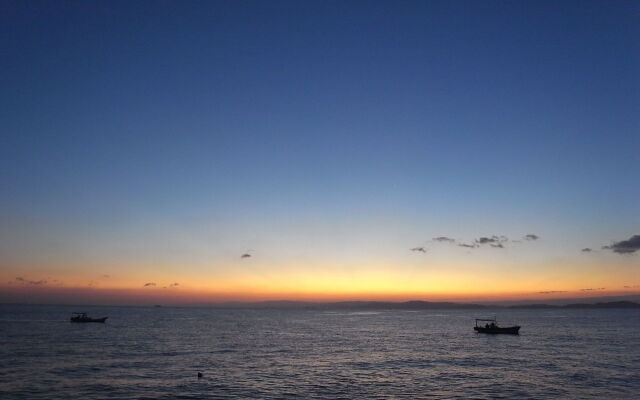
(156, 353)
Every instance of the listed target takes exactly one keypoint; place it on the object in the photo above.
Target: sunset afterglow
(210, 152)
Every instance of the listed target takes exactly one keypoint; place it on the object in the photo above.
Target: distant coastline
(627, 302)
(415, 305)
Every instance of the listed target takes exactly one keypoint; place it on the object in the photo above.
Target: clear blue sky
(242, 120)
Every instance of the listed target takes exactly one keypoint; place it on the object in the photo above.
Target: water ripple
(156, 353)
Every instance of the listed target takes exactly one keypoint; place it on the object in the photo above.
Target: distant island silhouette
(412, 305)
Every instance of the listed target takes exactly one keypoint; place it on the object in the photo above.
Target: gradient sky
(157, 142)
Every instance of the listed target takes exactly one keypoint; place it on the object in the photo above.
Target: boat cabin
(488, 323)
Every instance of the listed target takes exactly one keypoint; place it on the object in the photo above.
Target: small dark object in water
(199, 375)
(492, 327)
(82, 317)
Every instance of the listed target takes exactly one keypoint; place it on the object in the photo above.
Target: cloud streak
(28, 282)
(494, 241)
(419, 250)
(148, 284)
(552, 291)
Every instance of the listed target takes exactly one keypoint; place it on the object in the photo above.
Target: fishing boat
(491, 326)
(82, 317)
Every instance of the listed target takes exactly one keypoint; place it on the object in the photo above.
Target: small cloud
(591, 289)
(484, 240)
(175, 284)
(631, 286)
(106, 276)
(628, 246)
(245, 255)
(470, 246)
(497, 245)
(586, 250)
(492, 240)
(531, 236)
(552, 291)
(419, 249)
(444, 239)
(28, 282)
(149, 284)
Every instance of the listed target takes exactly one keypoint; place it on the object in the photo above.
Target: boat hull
(79, 319)
(511, 330)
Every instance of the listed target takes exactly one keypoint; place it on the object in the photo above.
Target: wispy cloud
(493, 241)
(175, 284)
(419, 249)
(444, 239)
(552, 291)
(485, 240)
(29, 282)
(591, 289)
(106, 276)
(628, 246)
(245, 255)
(586, 250)
(149, 284)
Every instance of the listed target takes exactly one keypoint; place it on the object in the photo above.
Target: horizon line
(496, 303)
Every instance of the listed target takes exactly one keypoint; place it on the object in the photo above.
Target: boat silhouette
(491, 326)
(82, 317)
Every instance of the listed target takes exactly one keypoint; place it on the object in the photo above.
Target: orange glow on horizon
(142, 296)
(314, 281)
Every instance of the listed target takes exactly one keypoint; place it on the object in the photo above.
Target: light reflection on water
(264, 354)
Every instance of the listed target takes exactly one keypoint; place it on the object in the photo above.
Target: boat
(491, 326)
(82, 317)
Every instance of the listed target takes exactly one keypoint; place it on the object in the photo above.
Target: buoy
(199, 374)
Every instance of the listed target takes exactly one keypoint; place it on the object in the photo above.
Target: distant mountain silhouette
(410, 305)
(610, 304)
(360, 305)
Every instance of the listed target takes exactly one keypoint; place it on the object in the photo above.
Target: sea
(157, 353)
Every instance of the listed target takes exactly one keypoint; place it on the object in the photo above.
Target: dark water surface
(156, 353)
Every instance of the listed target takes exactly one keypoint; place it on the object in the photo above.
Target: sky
(145, 147)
